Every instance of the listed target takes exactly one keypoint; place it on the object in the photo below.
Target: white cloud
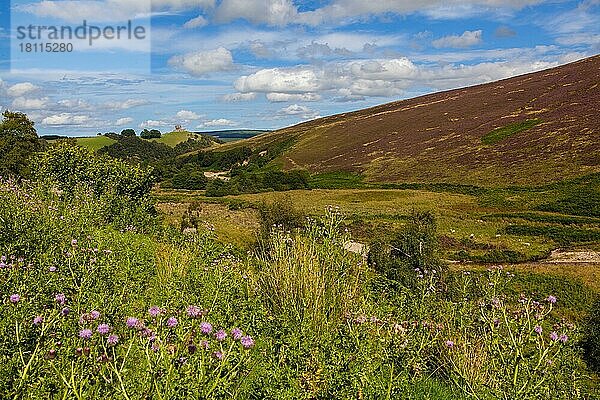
(203, 62)
(21, 89)
(271, 12)
(340, 10)
(126, 104)
(283, 80)
(217, 122)
(467, 39)
(24, 103)
(65, 119)
(152, 124)
(296, 110)
(284, 97)
(197, 22)
(109, 10)
(187, 115)
(74, 104)
(380, 77)
(123, 121)
(235, 97)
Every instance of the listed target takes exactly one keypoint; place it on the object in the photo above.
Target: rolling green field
(95, 143)
(172, 139)
(478, 227)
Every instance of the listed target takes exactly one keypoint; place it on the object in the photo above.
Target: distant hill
(536, 128)
(234, 134)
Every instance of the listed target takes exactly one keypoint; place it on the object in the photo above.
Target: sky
(266, 64)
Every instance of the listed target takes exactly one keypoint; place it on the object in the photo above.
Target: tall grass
(310, 279)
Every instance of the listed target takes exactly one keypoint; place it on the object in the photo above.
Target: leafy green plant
(507, 131)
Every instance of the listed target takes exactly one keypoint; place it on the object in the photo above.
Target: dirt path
(573, 257)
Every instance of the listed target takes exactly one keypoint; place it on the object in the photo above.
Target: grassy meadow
(113, 289)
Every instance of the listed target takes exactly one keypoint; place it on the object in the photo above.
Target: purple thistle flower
(14, 298)
(65, 311)
(218, 355)
(112, 340)
(172, 322)
(563, 338)
(103, 329)
(237, 333)
(194, 311)
(449, 344)
(154, 311)
(94, 315)
(60, 299)
(52, 269)
(74, 242)
(538, 329)
(155, 346)
(554, 336)
(551, 299)
(204, 344)
(38, 320)
(85, 333)
(247, 342)
(205, 328)
(132, 322)
(220, 335)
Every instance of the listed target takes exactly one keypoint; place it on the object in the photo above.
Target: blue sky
(225, 64)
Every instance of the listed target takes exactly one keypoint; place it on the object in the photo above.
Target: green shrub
(591, 340)
(504, 132)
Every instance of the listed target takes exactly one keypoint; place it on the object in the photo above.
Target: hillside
(530, 129)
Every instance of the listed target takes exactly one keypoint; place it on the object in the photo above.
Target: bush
(189, 180)
(69, 167)
(591, 339)
(415, 248)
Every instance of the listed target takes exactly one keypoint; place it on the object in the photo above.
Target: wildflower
(38, 320)
(86, 351)
(155, 346)
(94, 315)
(220, 335)
(79, 352)
(205, 328)
(361, 319)
(132, 322)
(449, 344)
(112, 340)
(554, 336)
(247, 342)
(236, 333)
(52, 269)
(51, 355)
(551, 299)
(563, 338)
(14, 298)
(172, 322)
(103, 359)
(74, 242)
(538, 329)
(60, 299)
(65, 311)
(103, 329)
(194, 311)
(204, 344)
(85, 333)
(218, 355)
(154, 311)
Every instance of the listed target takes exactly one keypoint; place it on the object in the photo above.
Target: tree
(150, 134)
(128, 132)
(18, 140)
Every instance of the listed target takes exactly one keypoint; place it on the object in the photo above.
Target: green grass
(172, 139)
(507, 131)
(95, 143)
(336, 180)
